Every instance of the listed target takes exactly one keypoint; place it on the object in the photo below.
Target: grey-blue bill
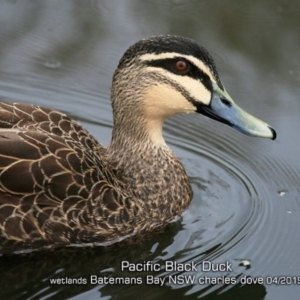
(222, 108)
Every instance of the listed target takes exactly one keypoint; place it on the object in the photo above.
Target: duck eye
(181, 66)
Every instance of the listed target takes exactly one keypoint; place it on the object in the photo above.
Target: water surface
(246, 191)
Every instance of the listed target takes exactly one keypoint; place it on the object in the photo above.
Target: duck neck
(136, 142)
(139, 153)
(149, 167)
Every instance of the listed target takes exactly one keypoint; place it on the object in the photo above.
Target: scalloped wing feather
(55, 185)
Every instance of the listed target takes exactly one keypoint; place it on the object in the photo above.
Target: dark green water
(246, 204)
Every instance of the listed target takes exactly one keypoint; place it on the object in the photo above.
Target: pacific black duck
(59, 186)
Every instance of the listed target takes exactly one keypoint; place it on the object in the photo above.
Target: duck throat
(142, 160)
(154, 175)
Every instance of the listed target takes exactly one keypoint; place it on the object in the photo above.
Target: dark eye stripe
(192, 71)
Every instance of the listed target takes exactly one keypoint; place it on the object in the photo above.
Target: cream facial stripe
(192, 59)
(194, 87)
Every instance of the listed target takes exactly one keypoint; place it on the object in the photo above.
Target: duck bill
(223, 109)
